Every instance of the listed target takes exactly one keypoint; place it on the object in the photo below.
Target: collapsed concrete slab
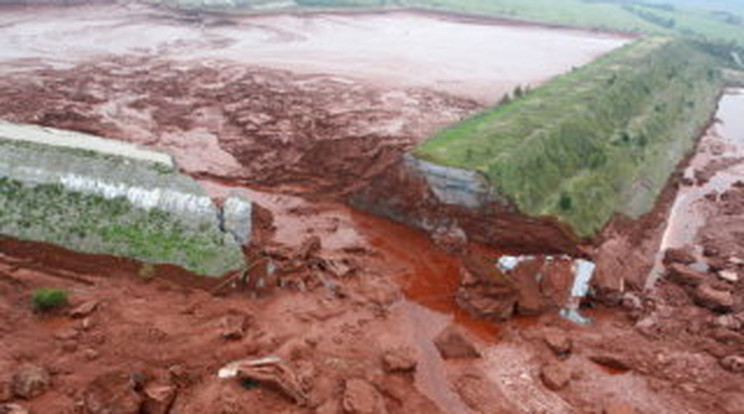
(100, 196)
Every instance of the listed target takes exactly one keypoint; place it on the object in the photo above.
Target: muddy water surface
(478, 60)
(716, 166)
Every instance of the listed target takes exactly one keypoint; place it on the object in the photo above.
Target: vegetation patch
(93, 224)
(48, 299)
(600, 140)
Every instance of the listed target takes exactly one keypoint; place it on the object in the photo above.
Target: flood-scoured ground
(294, 111)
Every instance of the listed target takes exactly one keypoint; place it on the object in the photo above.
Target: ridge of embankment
(599, 141)
(98, 196)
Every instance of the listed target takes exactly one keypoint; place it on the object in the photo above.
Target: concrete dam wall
(100, 196)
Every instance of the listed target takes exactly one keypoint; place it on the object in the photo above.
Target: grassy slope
(600, 140)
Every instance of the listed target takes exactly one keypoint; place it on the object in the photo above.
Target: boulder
(484, 290)
(728, 276)
(232, 326)
(453, 343)
(685, 275)
(360, 397)
(399, 360)
(158, 399)
(707, 296)
(84, 309)
(559, 343)
(309, 248)
(12, 409)
(112, 393)
(683, 256)
(555, 376)
(733, 363)
(30, 381)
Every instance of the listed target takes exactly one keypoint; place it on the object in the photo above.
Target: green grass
(598, 141)
(48, 299)
(93, 224)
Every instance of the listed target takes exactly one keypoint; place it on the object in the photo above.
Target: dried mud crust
(312, 134)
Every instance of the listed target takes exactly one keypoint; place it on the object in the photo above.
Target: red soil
(347, 289)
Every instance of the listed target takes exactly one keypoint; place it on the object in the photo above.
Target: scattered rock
(399, 360)
(728, 322)
(631, 301)
(453, 343)
(360, 397)
(6, 385)
(559, 343)
(618, 408)
(736, 261)
(30, 381)
(309, 248)
(555, 376)
(733, 363)
(111, 393)
(12, 409)
(484, 290)
(610, 361)
(683, 256)
(728, 276)
(711, 251)
(450, 238)
(685, 275)
(648, 325)
(91, 354)
(707, 296)
(233, 326)
(158, 399)
(84, 309)
(270, 372)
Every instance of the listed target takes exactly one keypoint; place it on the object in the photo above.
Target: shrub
(47, 299)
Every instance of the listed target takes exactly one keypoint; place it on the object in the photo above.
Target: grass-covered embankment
(92, 224)
(601, 140)
(101, 203)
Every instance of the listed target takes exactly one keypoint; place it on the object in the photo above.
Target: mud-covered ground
(355, 305)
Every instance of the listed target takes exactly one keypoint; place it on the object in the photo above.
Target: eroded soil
(353, 304)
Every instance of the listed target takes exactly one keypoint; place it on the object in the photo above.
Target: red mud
(347, 288)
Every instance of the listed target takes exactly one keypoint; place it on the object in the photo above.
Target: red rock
(558, 342)
(485, 291)
(399, 360)
(30, 381)
(728, 276)
(6, 385)
(686, 276)
(111, 393)
(84, 309)
(618, 408)
(707, 296)
(309, 248)
(158, 399)
(360, 397)
(733, 363)
(12, 409)
(683, 256)
(233, 326)
(555, 376)
(453, 343)
(610, 361)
